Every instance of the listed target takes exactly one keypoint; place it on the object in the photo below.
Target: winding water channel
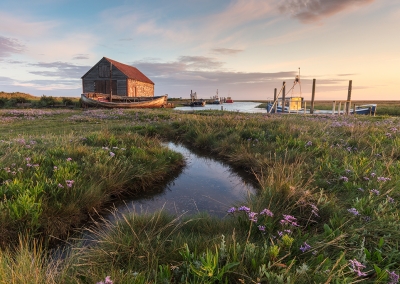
(204, 185)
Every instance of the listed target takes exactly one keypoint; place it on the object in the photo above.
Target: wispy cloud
(309, 11)
(187, 70)
(200, 63)
(23, 26)
(345, 75)
(60, 69)
(226, 51)
(5, 80)
(81, 56)
(8, 46)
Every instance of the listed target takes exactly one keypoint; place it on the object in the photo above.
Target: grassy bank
(327, 210)
(53, 178)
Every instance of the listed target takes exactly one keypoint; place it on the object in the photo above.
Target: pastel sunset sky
(243, 48)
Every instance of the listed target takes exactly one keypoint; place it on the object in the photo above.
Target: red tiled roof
(130, 71)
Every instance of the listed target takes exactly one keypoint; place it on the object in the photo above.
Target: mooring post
(275, 105)
(283, 97)
(349, 97)
(312, 97)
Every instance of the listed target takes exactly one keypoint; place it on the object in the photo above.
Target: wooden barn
(125, 80)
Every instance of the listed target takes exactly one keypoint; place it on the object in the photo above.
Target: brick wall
(140, 89)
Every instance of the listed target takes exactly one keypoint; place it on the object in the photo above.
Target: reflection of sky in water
(236, 106)
(203, 185)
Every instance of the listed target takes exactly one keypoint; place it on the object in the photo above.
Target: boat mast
(300, 82)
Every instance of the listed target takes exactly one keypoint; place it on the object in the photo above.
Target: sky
(242, 48)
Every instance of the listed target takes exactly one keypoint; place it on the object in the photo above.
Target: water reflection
(249, 107)
(204, 185)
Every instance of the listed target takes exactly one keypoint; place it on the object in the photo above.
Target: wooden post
(333, 107)
(110, 81)
(275, 105)
(312, 97)
(283, 97)
(349, 97)
(305, 107)
(354, 109)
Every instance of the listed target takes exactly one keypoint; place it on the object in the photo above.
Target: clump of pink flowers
(107, 280)
(289, 219)
(356, 267)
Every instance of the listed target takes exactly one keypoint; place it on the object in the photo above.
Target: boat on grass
(103, 100)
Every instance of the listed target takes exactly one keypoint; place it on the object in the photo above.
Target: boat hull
(366, 110)
(125, 102)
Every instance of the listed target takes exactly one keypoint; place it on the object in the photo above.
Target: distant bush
(3, 102)
(10, 103)
(67, 102)
(46, 101)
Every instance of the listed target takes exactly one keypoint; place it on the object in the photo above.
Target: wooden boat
(363, 109)
(196, 104)
(102, 100)
(296, 104)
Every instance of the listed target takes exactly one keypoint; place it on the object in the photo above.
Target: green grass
(330, 182)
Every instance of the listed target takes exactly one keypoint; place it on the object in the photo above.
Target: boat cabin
(292, 103)
(112, 77)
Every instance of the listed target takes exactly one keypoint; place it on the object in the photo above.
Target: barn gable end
(123, 80)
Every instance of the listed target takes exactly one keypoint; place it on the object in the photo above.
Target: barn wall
(139, 89)
(101, 72)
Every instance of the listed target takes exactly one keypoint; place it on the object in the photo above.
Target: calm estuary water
(250, 107)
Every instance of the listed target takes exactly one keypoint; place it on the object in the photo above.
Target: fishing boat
(229, 100)
(296, 104)
(200, 103)
(295, 107)
(103, 100)
(194, 102)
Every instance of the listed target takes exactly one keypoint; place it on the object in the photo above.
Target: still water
(204, 185)
(250, 107)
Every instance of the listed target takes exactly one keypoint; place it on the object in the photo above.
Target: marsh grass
(50, 182)
(327, 210)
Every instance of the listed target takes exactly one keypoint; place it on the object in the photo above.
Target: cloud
(9, 46)
(226, 51)
(60, 69)
(5, 80)
(345, 75)
(309, 11)
(200, 62)
(189, 70)
(81, 56)
(227, 24)
(22, 26)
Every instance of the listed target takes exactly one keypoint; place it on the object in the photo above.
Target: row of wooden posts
(346, 104)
